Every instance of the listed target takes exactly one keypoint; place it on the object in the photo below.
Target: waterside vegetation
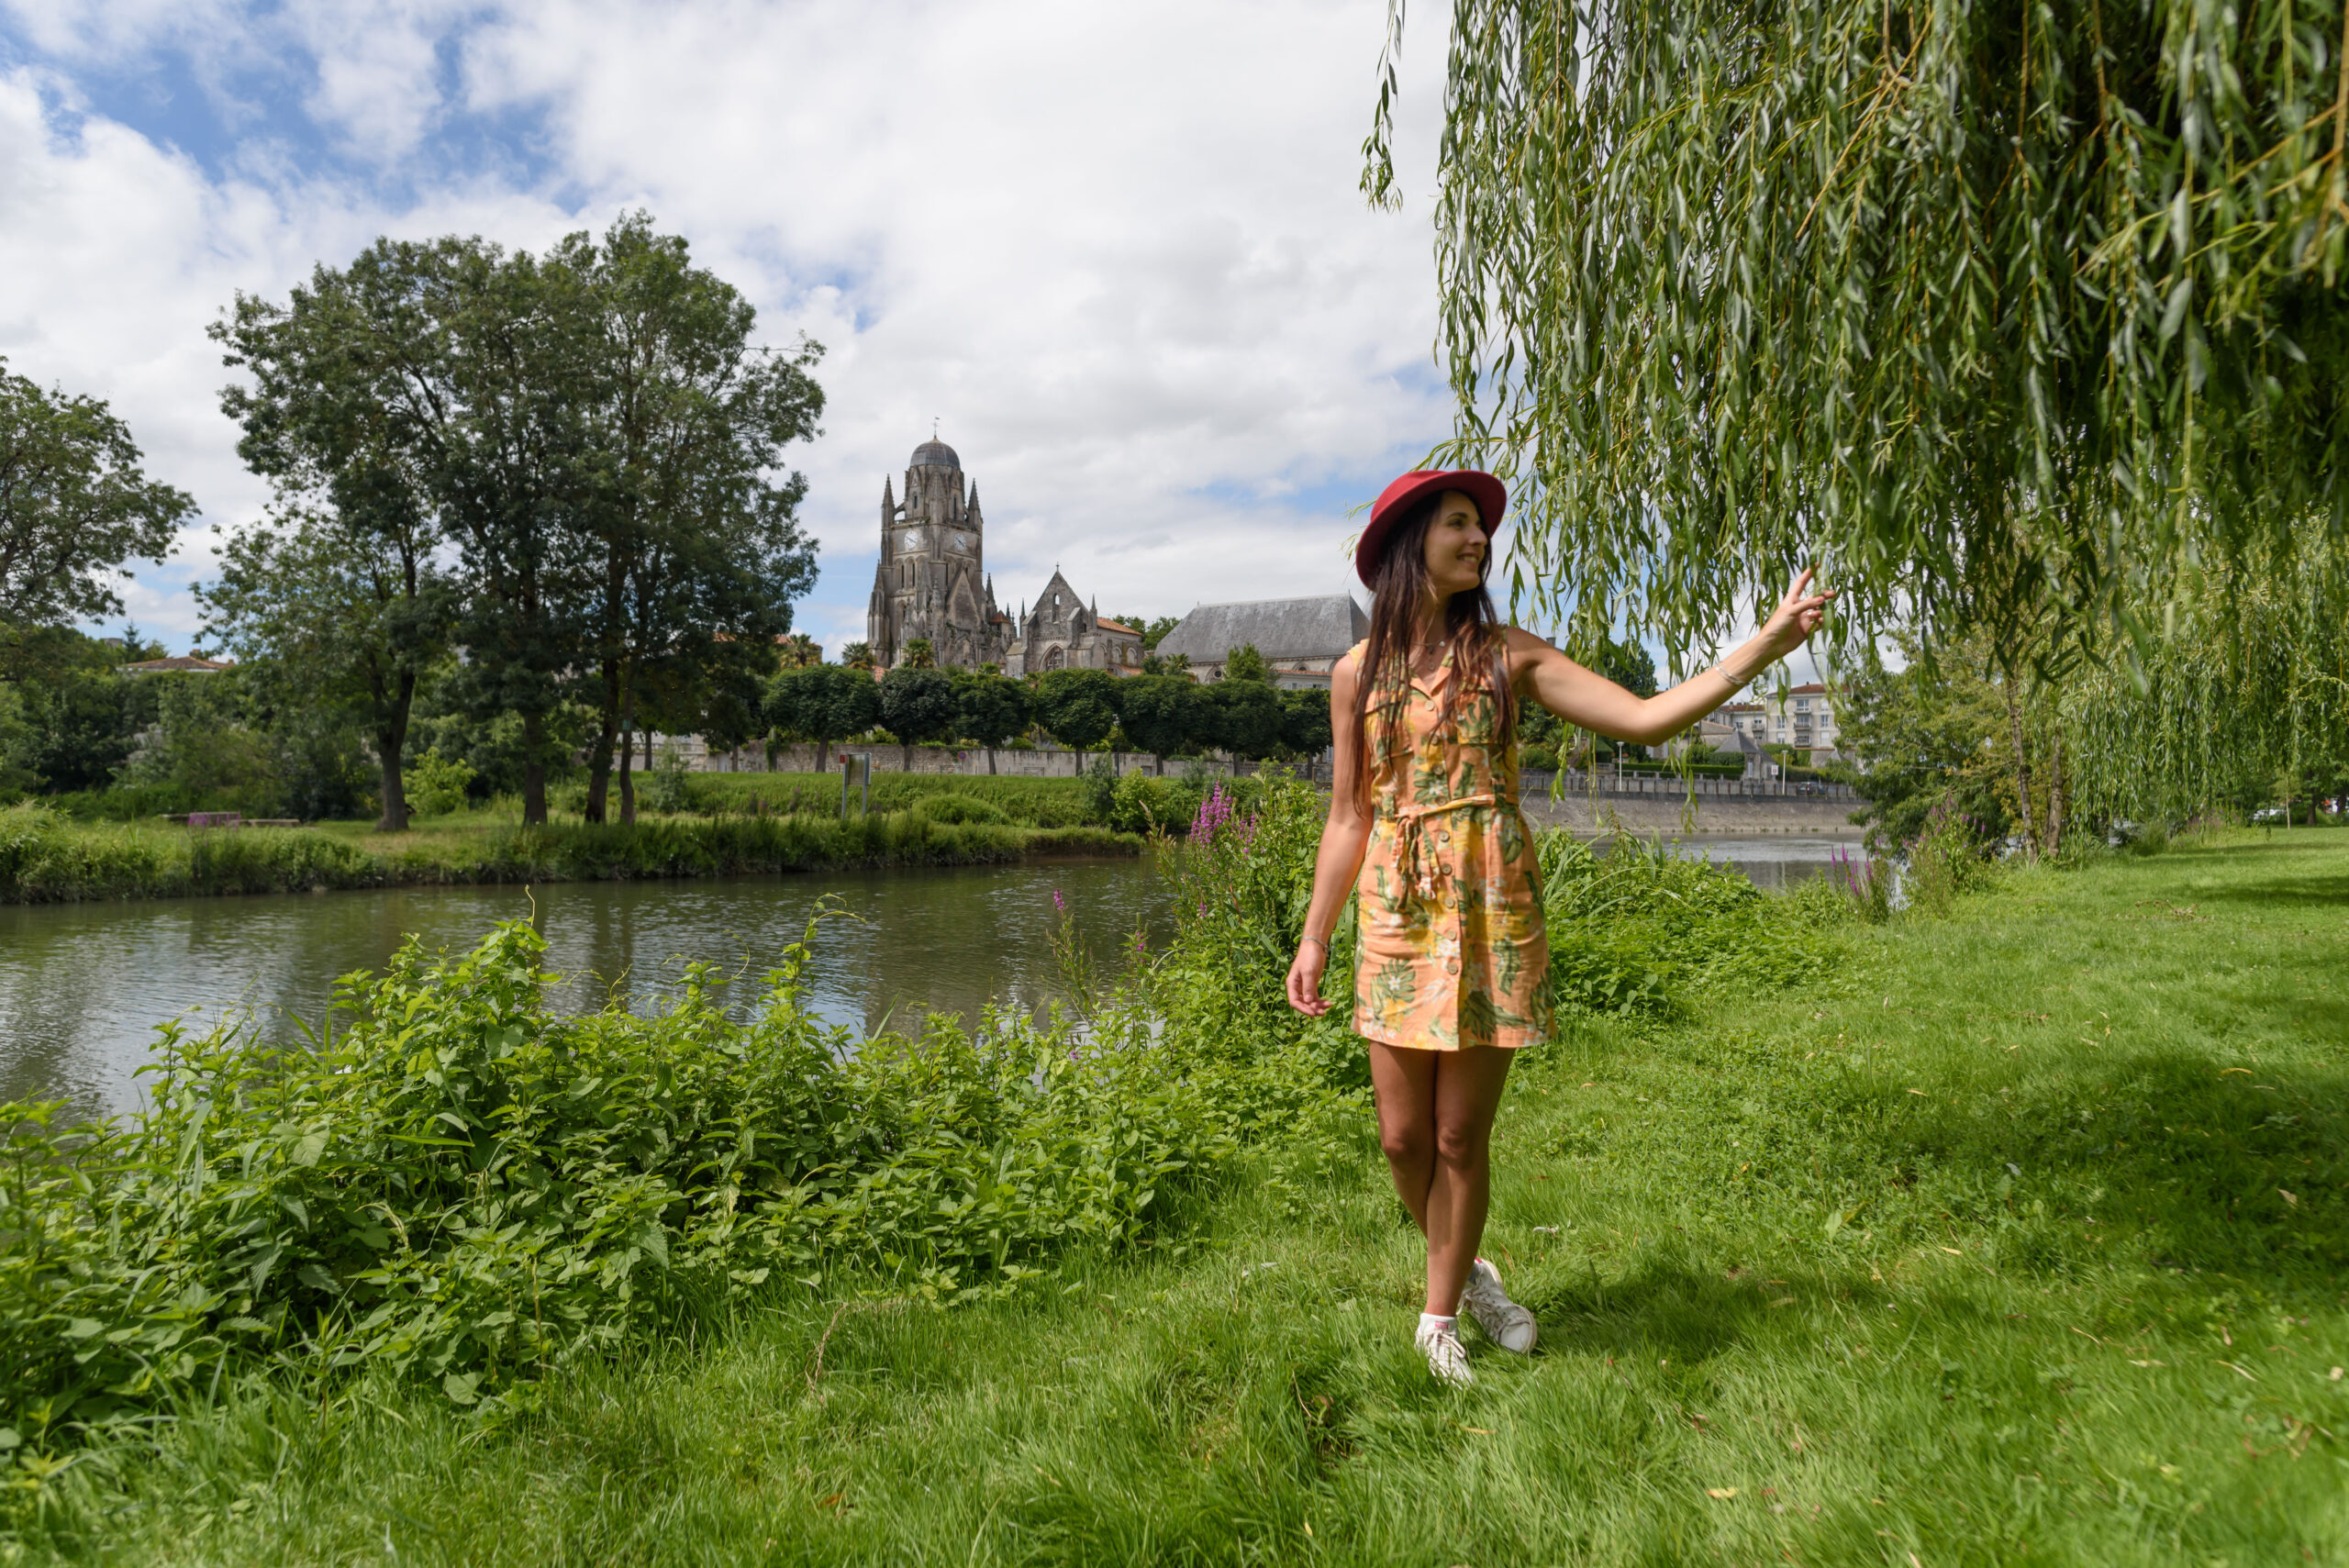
(47, 858)
(2015, 1228)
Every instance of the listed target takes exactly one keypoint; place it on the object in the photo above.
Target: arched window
(1052, 659)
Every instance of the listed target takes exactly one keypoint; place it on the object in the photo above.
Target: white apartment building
(1802, 717)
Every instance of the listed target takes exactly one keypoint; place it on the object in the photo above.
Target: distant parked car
(2268, 814)
(1809, 787)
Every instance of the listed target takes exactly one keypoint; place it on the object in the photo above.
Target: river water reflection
(83, 985)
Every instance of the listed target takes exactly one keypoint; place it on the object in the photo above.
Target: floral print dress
(1450, 952)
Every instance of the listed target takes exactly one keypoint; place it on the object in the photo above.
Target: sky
(1115, 251)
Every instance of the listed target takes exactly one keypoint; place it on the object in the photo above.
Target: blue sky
(1116, 251)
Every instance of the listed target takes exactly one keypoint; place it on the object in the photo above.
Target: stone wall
(1757, 815)
(1042, 763)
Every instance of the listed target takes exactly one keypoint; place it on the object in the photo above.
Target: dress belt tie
(1409, 848)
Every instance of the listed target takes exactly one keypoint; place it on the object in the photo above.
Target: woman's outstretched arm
(1591, 700)
(1343, 839)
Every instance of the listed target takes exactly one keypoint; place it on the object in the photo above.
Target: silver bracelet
(1317, 942)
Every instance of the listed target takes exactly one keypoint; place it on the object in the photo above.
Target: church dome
(936, 454)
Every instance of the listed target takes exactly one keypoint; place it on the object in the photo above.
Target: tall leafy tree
(918, 704)
(2004, 313)
(1305, 722)
(74, 504)
(1077, 707)
(1244, 717)
(823, 703)
(693, 554)
(1244, 663)
(443, 378)
(1164, 713)
(989, 708)
(346, 612)
(1152, 628)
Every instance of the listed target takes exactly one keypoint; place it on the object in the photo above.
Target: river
(83, 985)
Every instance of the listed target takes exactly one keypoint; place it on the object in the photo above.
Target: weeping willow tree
(2245, 703)
(2012, 315)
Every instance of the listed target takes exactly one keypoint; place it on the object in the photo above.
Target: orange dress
(1450, 952)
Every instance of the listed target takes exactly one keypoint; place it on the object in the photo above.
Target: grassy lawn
(2020, 1240)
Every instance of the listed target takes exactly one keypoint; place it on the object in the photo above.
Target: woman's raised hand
(1796, 616)
(1305, 979)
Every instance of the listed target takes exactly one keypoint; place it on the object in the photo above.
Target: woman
(1450, 971)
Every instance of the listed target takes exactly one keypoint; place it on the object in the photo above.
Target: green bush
(436, 786)
(1637, 929)
(1948, 858)
(1141, 804)
(960, 809)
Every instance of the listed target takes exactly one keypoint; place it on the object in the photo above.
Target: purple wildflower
(1214, 812)
(1059, 903)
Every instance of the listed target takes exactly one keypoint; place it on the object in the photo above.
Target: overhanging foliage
(1992, 309)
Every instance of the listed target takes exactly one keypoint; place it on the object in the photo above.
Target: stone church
(931, 582)
(1063, 632)
(931, 579)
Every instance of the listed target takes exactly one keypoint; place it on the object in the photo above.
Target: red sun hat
(1490, 496)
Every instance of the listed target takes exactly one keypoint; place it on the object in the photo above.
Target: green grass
(1978, 1251)
(44, 857)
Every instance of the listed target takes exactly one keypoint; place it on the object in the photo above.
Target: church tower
(931, 581)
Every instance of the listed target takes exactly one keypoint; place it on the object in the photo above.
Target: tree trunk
(907, 747)
(627, 753)
(534, 770)
(599, 752)
(2055, 792)
(990, 761)
(2023, 772)
(391, 751)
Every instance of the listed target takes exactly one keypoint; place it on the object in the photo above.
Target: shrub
(1141, 804)
(960, 809)
(1947, 859)
(436, 786)
(1637, 929)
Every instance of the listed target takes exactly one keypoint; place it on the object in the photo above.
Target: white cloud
(1116, 250)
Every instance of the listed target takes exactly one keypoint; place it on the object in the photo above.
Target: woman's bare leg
(1435, 1122)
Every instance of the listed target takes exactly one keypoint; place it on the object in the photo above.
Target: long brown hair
(1471, 629)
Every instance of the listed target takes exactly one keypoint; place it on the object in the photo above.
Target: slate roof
(1320, 627)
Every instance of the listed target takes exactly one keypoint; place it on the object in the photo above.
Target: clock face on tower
(910, 539)
(961, 541)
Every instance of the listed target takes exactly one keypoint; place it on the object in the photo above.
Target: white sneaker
(1505, 1323)
(1447, 1358)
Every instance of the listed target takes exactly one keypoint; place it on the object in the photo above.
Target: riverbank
(46, 859)
(2014, 1235)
